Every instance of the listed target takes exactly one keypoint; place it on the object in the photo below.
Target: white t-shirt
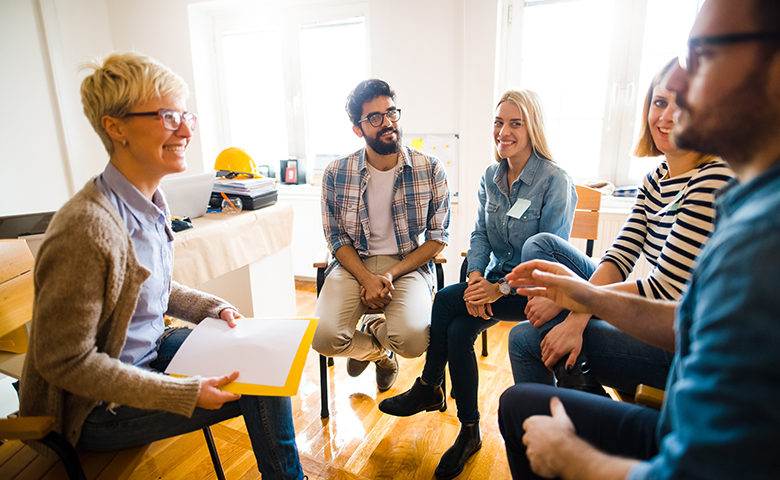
(379, 194)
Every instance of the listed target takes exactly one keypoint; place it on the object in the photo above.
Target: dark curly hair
(366, 91)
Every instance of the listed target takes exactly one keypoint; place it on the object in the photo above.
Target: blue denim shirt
(721, 418)
(497, 240)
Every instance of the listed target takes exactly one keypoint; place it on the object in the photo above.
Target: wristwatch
(504, 287)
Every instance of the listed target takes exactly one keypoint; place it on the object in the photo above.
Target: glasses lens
(171, 119)
(393, 115)
(191, 119)
(375, 119)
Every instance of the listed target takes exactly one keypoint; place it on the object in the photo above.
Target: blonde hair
(527, 101)
(122, 81)
(645, 146)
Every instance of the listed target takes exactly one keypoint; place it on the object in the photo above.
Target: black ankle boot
(454, 459)
(578, 377)
(418, 398)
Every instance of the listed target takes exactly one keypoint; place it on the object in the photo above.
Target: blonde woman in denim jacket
(522, 194)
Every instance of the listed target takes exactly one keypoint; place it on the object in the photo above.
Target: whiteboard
(444, 146)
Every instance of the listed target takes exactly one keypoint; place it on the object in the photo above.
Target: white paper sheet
(261, 349)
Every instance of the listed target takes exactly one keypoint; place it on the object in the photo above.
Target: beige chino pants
(408, 315)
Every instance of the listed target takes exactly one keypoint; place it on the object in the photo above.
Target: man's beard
(381, 147)
(731, 127)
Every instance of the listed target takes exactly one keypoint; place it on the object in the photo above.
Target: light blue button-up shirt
(153, 244)
(497, 240)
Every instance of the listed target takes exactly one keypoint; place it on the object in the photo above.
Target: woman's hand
(230, 315)
(481, 310)
(211, 397)
(540, 310)
(564, 339)
(480, 291)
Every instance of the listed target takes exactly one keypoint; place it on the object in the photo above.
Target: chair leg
(484, 343)
(66, 452)
(214, 454)
(324, 413)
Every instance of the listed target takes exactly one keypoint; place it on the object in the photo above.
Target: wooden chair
(585, 226)
(18, 460)
(326, 362)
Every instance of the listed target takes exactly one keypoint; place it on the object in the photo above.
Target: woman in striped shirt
(670, 222)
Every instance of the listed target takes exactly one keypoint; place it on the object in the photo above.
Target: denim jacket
(497, 240)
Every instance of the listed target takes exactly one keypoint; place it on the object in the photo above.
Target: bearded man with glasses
(721, 416)
(376, 204)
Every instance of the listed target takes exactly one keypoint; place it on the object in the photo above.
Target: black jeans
(617, 428)
(453, 332)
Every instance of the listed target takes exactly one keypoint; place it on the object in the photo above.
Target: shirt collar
(734, 194)
(526, 176)
(404, 159)
(144, 210)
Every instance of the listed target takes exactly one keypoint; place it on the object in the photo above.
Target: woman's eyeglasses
(171, 119)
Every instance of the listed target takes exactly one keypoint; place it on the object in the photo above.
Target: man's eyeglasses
(689, 60)
(171, 119)
(376, 119)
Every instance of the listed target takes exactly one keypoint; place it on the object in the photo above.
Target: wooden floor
(357, 441)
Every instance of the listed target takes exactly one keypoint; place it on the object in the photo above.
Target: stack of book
(254, 192)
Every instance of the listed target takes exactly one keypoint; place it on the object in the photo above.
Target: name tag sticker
(519, 208)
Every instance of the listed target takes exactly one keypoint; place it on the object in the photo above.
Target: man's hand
(564, 339)
(553, 281)
(230, 315)
(543, 438)
(376, 290)
(211, 397)
(540, 310)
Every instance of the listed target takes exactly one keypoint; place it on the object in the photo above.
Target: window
(591, 62)
(279, 75)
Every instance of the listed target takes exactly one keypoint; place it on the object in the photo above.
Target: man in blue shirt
(721, 415)
(377, 203)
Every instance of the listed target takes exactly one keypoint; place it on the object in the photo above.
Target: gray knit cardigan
(87, 281)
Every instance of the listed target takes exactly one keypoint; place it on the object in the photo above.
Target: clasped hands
(210, 395)
(479, 296)
(376, 290)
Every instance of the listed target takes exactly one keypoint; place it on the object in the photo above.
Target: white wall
(439, 55)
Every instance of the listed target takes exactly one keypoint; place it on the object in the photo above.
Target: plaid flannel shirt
(421, 203)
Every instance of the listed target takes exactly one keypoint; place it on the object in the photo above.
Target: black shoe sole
(430, 408)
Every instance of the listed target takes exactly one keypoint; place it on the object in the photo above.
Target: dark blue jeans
(616, 359)
(453, 332)
(268, 421)
(617, 428)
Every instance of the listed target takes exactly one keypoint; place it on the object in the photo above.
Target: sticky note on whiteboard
(417, 143)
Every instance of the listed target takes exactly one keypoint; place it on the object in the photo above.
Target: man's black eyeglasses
(376, 119)
(171, 119)
(689, 60)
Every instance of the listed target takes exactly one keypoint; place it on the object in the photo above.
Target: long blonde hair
(527, 101)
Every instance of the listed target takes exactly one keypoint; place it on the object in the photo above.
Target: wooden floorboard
(357, 442)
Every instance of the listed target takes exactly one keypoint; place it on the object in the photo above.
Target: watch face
(505, 288)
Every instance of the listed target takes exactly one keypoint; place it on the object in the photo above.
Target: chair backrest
(586, 216)
(16, 294)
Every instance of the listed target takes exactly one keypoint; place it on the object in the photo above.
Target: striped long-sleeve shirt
(670, 222)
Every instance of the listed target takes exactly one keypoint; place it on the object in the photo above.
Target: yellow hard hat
(236, 161)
